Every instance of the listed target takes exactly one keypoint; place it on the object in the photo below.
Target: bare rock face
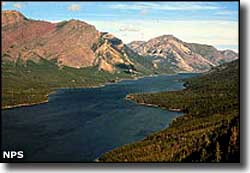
(212, 54)
(68, 42)
(136, 44)
(72, 43)
(112, 50)
(182, 56)
(77, 44)
(105, 66)
(12, 17)
(17, 31)
(229, 55)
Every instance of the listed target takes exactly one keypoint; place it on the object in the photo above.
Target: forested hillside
(208, 131)
(30, 83)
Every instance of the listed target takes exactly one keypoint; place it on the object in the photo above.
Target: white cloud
(3, 3)
(18, 5)
(54, 21)
(214, 32)
(226, 12)
(128, 28)
(165, 6)
(74, 7)
(144, 12)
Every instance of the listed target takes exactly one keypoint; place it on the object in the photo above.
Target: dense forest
(30, 82)
(207, 132)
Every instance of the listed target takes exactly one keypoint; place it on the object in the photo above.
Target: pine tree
(233, 140)
(203, 155)
(218, 152)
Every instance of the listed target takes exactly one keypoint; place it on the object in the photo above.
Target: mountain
(72, 43)
(77, 44)
(18, 30)
(207, 132)
(212, 54)
(113, 55)
(39, 57)
(169, 51)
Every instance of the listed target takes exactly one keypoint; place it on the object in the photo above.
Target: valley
(159, 100)
(39, 57)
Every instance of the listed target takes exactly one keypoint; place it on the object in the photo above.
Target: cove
(78, 125)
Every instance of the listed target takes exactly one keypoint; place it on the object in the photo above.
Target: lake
(78, 125)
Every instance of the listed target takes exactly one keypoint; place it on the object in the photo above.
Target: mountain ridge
(74, 53)
(191, 57)
(71, 43)
(77, 44)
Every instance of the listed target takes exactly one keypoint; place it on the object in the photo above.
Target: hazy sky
(214, 23)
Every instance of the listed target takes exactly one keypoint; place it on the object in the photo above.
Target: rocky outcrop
(136, 44)
(170, 51)
(77, 44)
(12, 17)
(104, 66)
(72, 43)
(68, 42)
(18, 31)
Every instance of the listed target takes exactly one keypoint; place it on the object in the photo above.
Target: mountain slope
(73, 52)
(169, 51)
(113, 55)
(39, 56)
(18, 30)
(209, 130)
(30, 83)
(212, 54)
(68, 42)
(71, 43)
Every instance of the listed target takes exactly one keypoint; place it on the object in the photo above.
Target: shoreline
(24, 105)
(130, 98)
(28, 104)
(83, 87)
(97, 160)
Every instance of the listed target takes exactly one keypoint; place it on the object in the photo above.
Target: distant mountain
(169, 51)
(77, 44)
(40, 56)
(71, 43)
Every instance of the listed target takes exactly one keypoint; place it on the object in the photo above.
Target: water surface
(78, 125)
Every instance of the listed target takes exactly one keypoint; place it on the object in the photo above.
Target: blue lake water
(78, 125)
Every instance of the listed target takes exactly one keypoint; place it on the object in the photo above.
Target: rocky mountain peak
(12, 17)
(111, 39)
(166, 36)
(135, 44)
(77, 44)
(75, 24)
(173, 52)
(71, 43)
(164, 39)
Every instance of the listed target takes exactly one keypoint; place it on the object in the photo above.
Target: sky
(214, 23)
